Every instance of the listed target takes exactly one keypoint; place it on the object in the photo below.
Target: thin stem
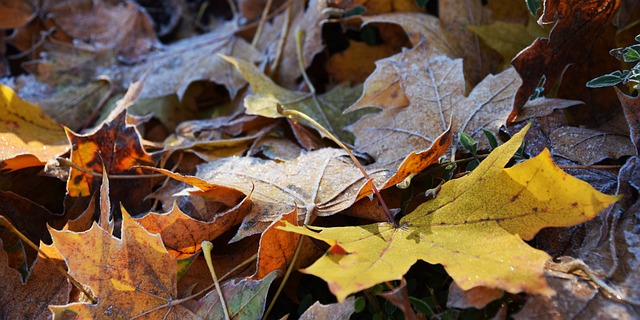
(67, 163)
(288, 113)
(206, 250)
(300, 35)
(263, 20)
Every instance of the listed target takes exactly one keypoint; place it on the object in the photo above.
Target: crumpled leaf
(277, 247)
(434, 85)
(129, 276)
(631, 108)
(121, 25)
(17, 13)
(117, 146)
(326, 109)
(474, 230)
(588, 146)
(321, 183)
(582, 36)
(245, 299)
(174, 225)
(28, 137)
(45, 285)
(333, 311)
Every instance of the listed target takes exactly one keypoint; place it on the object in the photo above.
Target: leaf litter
(240, 177)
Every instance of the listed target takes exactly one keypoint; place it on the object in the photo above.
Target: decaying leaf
(334, 311)
(320, 183)
(582, 36)
(326, 109)
(463, 227)
(45, 285)
(434, 86)
(131, 277)
(116, 145)
(587, 146)
(28, 137)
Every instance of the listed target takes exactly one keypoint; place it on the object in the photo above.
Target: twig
(67, 163)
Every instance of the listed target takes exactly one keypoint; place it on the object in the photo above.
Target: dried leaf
(334, 311)
(587, 146)
(28, 137)
(582, 36)
(131, 276)
(123, 26)
(463, 227)
(277, 247)
(435, 88)
(173, 227)
(326, 109)
(45, 285)
(631, 106)
(116, 145)
(319, 183)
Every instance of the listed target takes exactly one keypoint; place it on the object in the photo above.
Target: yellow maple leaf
(475, 228)
(28, 137)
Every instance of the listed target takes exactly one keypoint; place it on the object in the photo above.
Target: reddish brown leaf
(116, 145)
(582, 36)
(400, 298)
(45, 285)
(123, 26)
(631, 107)
(174, 227)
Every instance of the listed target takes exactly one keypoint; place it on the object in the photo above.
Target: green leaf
(631, 53)
(493, 141)
(606, 80)
(355, 11)
(533, 6)
(468, 142)
(422, 3)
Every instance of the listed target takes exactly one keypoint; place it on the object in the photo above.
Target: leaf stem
(206, 249)
(263, 19)
(67, 163)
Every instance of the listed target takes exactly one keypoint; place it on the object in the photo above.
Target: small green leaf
(606, 80)
(493, 141)
(355, 11)
(473, 164)
(468, 142)
(423, 3)
(421, 306)
(631, 53)
(359, 304)
(533, 6)
(637, 38)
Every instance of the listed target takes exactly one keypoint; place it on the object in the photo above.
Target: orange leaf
(129, 276)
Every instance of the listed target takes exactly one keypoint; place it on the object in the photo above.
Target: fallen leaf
(320, 183)
(28, 137)
(587, 146)
(400, 298)
(582, 36)
(463, 227)
(333, 311)
(116, 145)
(326, 109)
(631, 106)
(508, 38)
(123, 26)
(17, 13)
(131, 277)
(245, 299)
(45, 285)
(543, 107)
(478, 297)
(356, 63)
(174, 225)
(435, 89)
(277, 247)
